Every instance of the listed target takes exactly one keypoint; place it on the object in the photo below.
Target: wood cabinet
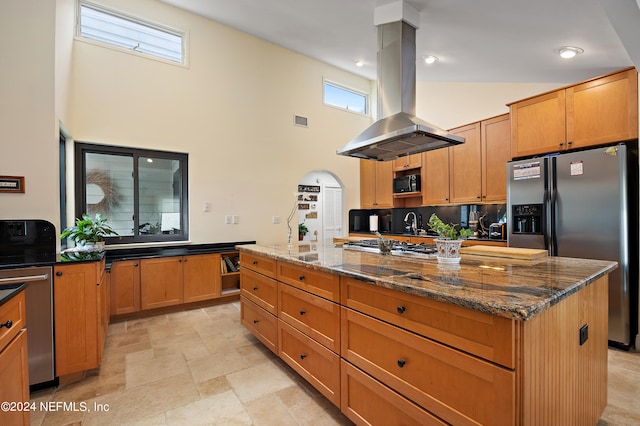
(406, 359)
(435, 177)
(80, 295)
(376, 184)
(200, 277)
(474, 172)
(465, 166)
(161, 282)
(598, 111)
(259, 298)
(125, 287)
(14, 368)
(407, 162)
(495, 137)
(143, 284)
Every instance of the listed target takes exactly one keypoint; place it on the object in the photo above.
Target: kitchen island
(393, 339)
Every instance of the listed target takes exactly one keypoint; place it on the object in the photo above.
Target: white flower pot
(448, 250)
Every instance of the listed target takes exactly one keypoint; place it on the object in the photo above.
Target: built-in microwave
(409, 183)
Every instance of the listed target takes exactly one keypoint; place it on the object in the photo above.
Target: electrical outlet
(584, 334)
(205, 207)
(275, 220)
(236, 219)
(227, 219)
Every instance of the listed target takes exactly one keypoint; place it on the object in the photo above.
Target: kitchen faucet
(413, 223)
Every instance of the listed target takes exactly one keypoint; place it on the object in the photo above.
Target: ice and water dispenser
(527, 218)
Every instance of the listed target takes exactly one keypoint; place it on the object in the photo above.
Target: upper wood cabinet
(595, 112)
(465, 166)
(496, 151)
(407, 162)
(435, 177)
(376, 184)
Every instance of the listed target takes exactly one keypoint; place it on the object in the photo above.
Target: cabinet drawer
(365, 400)
(487, 336)
(260, 323)
(261, 264)
(261, 290)
(319, 283)
(453, 385)
(314, 316)
(315, 363)
(14, 311)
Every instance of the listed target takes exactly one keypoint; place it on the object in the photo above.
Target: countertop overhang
(510, 288)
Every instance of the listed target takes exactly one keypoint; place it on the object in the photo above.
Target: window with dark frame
(143, 193)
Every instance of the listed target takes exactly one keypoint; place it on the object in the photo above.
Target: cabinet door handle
(255, 262)
(7, 324)
(301, 277)
(135, 264)
(58, 274)
(302, 312)
(401, 363)
(303, 356)
(401, 309)
(255, 289)
(560, 144)
(569, 143)
(255, 321)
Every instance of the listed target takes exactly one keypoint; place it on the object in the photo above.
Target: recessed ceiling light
(430, 59)
(568, 51)
(359, 64)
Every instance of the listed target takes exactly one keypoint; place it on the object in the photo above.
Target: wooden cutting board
(509, 252)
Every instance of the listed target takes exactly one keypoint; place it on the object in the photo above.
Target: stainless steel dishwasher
(39, 307)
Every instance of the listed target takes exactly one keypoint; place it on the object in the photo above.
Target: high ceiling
(475, 40)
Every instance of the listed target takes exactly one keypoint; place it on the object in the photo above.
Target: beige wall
(29, 145)
(231, 109)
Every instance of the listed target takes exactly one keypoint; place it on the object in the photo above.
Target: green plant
(302, 229)
(88, 229)
(447, 231)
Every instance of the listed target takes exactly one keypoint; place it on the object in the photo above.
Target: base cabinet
(410, 360)
(14, 368)
(145, 284)
(79, 293)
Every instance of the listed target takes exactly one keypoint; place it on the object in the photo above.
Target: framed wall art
(12, 184)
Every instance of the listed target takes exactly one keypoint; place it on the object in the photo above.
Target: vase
(448, 250)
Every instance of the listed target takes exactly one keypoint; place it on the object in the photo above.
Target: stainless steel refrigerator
(583, 204)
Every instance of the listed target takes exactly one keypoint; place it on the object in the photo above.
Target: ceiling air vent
(298, 120)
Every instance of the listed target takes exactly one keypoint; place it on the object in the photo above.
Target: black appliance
(408, 183)
(27, 253)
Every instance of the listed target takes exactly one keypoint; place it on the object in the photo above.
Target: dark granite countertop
(505, 287)
(9, 291)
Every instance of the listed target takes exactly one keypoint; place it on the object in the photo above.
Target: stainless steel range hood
(399, 132)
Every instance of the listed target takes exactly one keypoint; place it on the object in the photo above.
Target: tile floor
(202, 367)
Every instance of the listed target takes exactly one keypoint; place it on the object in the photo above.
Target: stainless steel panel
(39, 311)
(592, 221)
(526, 183)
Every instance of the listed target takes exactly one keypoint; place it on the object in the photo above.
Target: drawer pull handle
(302, 312)
(255, 289)
(255, 262)
(303, 356)
(401, 309)
(58, 274)
(301, 277)
(401, 363)
(7, 324)
(255, 321)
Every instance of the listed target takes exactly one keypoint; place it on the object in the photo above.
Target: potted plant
(449, 241)
(89, 232)
(302, 231)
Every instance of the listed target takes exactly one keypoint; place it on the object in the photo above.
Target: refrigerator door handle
(545, 226)
(553, 211)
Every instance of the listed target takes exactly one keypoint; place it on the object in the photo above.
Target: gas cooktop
(428, 251)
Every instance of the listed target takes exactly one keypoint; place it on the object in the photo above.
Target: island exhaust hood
(399, 132)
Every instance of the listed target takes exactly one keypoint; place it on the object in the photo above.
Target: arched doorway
(320, 201)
